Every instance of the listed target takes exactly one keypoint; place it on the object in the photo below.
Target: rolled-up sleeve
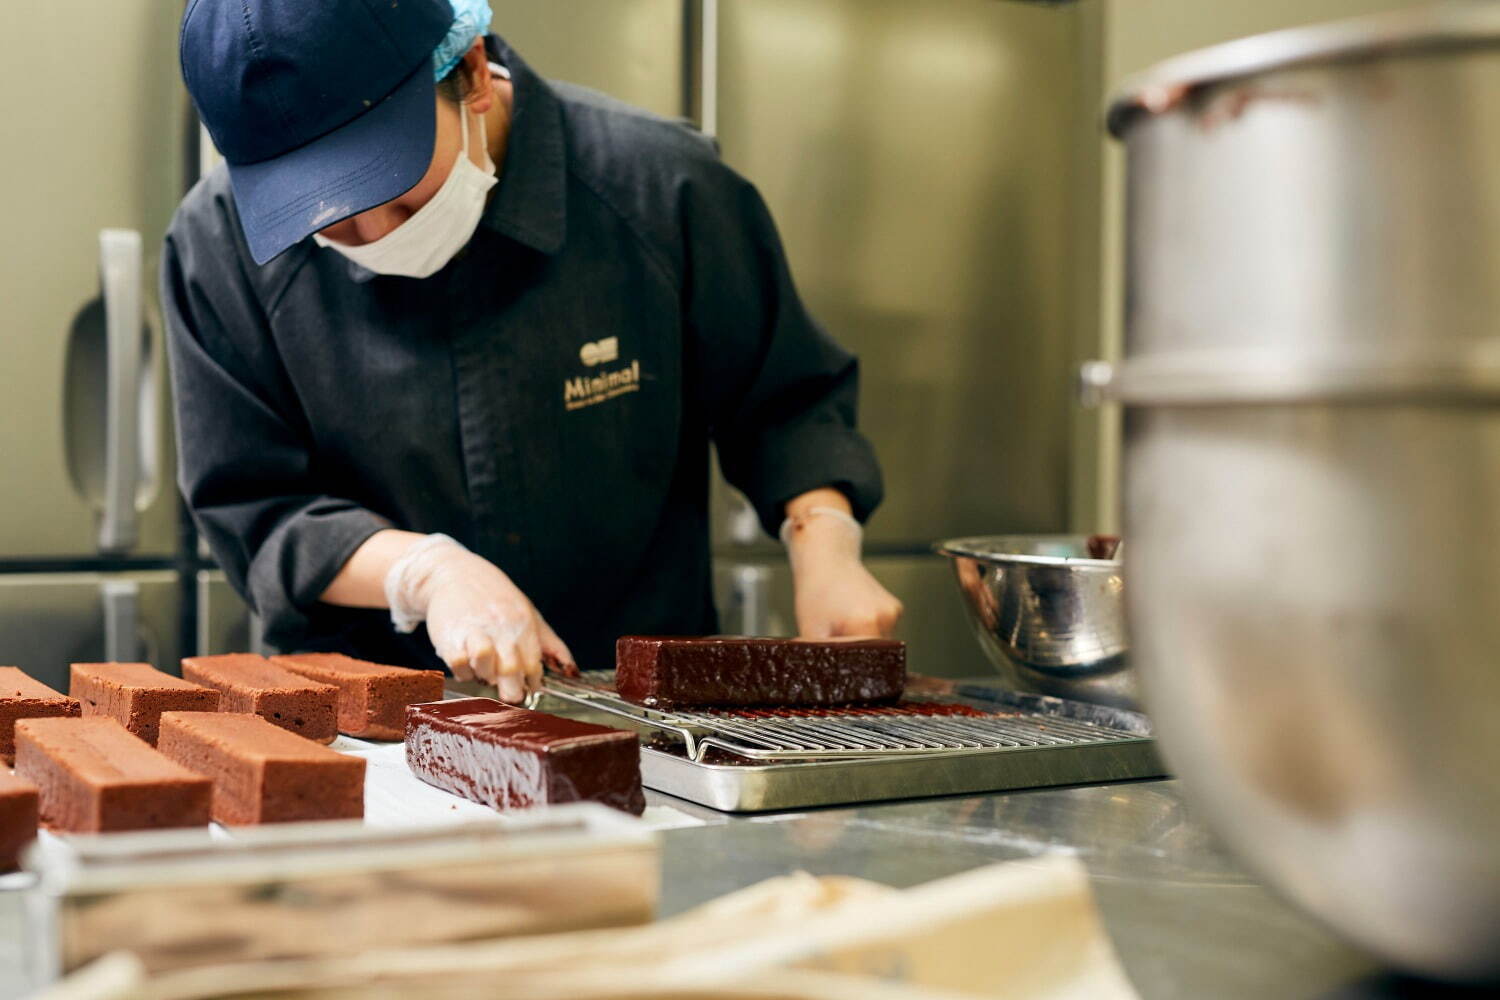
(781, 394)
(245, 461)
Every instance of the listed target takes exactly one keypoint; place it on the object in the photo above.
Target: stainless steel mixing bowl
(1312, 463)
(1049, 617)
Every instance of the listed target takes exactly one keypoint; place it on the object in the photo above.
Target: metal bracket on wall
(121, 599)
(120, 269)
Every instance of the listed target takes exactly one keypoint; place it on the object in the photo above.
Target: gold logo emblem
(600, 351)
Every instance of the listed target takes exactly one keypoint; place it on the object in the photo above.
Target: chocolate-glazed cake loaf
(512, 758)
(22, 697)
(754, 673)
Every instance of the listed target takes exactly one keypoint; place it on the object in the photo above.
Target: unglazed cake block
(372, 696)
(19, 800)
(95, 776)
(135, 695)
(261, 772)
(661, 672)
(512, 758)
(250, 683)
(22, 697)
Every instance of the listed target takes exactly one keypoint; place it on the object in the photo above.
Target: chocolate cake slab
(23, 697)
(19, 801)
(513, 758)
(95, 776)
(250, 683)
(135, 695)
(261, 772)
(733, 672)
(372, 696)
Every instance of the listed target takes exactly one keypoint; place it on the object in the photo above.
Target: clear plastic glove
(836, 596)
(480, 623)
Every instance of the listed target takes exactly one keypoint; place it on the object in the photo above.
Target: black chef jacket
(548, 398)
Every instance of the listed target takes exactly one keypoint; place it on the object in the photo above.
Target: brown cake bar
(512, 758)
(95, 776)
(752, 673)
(18, 818)
(261, 772)
(21, 697)
(372, 696)
(135, 695)
(250, 683)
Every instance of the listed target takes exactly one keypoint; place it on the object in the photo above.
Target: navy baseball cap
(322, 108)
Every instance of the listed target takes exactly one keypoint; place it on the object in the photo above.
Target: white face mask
(423, 244)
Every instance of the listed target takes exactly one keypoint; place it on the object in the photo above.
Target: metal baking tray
(731, 764)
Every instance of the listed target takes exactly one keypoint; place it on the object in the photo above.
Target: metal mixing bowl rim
(1436, 26)
(965, 548)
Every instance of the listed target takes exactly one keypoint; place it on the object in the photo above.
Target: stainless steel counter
(1186, 920)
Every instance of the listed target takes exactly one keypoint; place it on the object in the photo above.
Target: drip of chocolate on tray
(1103, 546)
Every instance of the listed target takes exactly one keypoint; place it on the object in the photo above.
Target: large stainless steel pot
(1312, 470)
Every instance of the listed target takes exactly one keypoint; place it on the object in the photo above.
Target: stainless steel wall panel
(920, 162)
(629, 49)
(50, 620)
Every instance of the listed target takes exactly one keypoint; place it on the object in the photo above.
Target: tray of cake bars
(756, 725)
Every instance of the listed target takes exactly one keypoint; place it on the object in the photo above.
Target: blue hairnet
(470, 18)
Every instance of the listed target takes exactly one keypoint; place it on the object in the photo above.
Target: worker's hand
(836, 595)
(480, 623)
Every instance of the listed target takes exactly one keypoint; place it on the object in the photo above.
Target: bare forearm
(361, 582)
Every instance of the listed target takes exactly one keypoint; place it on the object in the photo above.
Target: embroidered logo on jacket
(586, 390)
(600, 351)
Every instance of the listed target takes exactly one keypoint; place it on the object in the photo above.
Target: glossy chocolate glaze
(661, 672)
(512, 758)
